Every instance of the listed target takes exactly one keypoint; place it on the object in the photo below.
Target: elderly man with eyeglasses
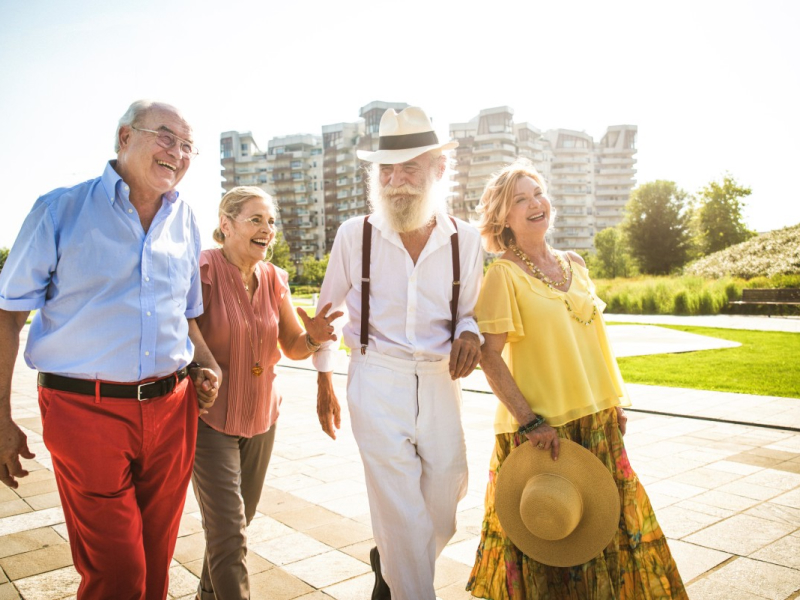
(111, 266)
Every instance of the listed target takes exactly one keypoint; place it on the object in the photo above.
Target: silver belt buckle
(139, 391)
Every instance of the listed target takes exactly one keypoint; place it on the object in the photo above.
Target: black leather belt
(140, 391)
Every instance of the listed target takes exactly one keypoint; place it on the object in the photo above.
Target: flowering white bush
(770, 254)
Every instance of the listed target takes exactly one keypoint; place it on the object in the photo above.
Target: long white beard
(407, 208)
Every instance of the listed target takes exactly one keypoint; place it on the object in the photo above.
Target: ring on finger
(540, 445)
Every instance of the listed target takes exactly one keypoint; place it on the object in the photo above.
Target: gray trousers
(228, 475)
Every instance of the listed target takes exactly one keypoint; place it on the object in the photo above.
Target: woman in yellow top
(548, 360)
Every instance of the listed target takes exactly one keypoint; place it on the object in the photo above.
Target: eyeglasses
(167, 140)
(255, 221)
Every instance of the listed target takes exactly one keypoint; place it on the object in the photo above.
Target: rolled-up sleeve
(334, 290)
(194, 298)
(470, 289)
(31, 262)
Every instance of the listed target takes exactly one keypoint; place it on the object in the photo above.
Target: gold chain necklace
(566, 270)
(257, 369)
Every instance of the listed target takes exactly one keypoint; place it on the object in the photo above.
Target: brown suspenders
(366, 250)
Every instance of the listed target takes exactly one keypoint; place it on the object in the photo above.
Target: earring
(507, 225)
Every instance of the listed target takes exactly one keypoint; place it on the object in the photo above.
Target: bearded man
(409, 277)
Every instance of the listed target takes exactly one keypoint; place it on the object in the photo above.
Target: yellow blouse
(565, 370)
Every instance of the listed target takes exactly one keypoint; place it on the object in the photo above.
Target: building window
(226, 148)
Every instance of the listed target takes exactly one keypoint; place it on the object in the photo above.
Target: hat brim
(596, 485)
(393, 157)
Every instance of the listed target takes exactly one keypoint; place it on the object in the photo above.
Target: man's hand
(328, 410)
(464, 355)
(13, 444)
(206, 382)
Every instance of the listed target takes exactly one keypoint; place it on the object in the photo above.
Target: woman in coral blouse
(548, 360)
(247, 313)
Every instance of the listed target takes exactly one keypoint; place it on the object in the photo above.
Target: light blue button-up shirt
(113, 301)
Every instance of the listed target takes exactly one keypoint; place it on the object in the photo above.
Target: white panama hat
(403, 136)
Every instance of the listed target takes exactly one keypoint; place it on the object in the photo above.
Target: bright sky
(712, 85)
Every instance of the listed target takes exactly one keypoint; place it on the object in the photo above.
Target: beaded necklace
(565, 269)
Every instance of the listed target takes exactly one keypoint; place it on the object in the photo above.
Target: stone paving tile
(693, 560)
(45, 559)
(307, 518)
(357, 588)
(705, 589)
(53, 585)
(289, 549)
(34, 520)
(677, 522)
(759, 579)
(190, 547)
(262, 529)
(8, 592)
(790, 515)
(743, 488)
(786, 552)
(327, 569)
(348, 506)
(737, 468)
(791, 499)
(741, 534)
(705, 477)
(189, 525)
(341, 533)
(182, 582)
(48, 500)
(449, 572)
(14, 507)
(725, 500)
(27, 489)
(274, 500)
(277, 584)
(706, 509)
(28, 541)
(463, 552)
(330, 491)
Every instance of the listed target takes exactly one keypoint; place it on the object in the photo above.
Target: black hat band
(409, 140)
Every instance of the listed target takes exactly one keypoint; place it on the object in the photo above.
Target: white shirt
(409, 308)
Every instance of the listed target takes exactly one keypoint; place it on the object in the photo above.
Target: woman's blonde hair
(497, 200)
(231, 204)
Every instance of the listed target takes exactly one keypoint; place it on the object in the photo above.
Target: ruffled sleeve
(206, 280)
(497, 310)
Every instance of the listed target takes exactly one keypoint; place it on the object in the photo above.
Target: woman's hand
(320, 328)
(622, 420)
(545, 437)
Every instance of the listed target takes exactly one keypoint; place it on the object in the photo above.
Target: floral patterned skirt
(637, 564)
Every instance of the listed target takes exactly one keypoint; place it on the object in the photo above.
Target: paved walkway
(726, 495)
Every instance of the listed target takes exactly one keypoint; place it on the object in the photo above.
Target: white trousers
(406, 419)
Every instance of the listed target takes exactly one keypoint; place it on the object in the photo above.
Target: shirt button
(130, 210)
(148, 313)
(147, 279)
(126, 188)
(147, 353)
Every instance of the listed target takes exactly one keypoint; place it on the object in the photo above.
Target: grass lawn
(767, 363)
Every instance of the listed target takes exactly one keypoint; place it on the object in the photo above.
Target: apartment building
(294, 167)
(588, 182)
(242, 161)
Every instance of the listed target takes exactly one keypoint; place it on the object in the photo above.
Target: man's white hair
(416, 214)
(135, 113)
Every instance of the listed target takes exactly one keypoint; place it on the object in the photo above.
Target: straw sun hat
(560, 513)
(403, 136)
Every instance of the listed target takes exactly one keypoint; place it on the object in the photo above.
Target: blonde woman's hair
(497, 200)
(232, 203)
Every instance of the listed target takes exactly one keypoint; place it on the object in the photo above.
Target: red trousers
(122, 468)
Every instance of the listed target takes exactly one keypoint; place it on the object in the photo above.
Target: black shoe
(381, 590)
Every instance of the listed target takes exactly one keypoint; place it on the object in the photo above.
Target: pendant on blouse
(257, 370)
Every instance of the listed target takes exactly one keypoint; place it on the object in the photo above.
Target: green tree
(611, 259)
(313, 270)
(719, 219)
(656, 227)
(281, 256)
(3, 257)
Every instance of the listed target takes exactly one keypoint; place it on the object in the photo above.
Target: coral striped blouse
(240, 334)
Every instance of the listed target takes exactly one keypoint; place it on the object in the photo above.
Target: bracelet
(526, 429)
(311, 345)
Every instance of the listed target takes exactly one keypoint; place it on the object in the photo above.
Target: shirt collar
(113, 185)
